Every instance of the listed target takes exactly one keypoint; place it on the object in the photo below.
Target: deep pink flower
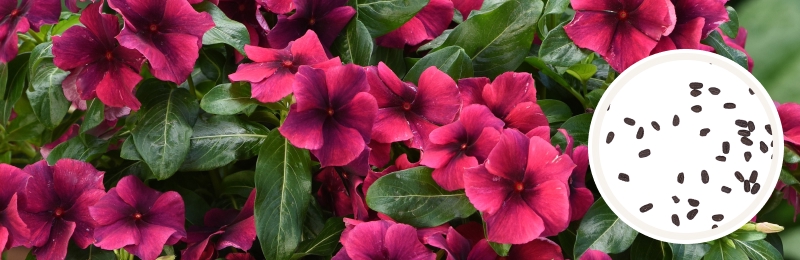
(239, 256)
(13, 231)
(138, 218)
(521, 200)
(511, 97)
(791, 196)
(55, 205)
(622, 31)
(459, 248)
(98, 66)
(325, 17)
(460, 145)
(789, 114)
(379, 154)
(592, 254)
(273, 71)
(169, 33)
(580, 198)
(72, 5)
(333, 115)
(467, 6)
(248, 13)
(456, 246)
(401, 163)
(695, 19)
(426, 25)
(223, 228)
(341, 193)
(383, 240)
(71, 132)
(18, 17)
(407, 112)
(278, 6)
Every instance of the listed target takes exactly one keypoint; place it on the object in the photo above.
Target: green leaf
(64, 24)
(26, 126)
(163, 132)
(747, 236)
(383, 16)
(602, 230)
(128, 151)
(720, 251)
(594, 97)
(775, 240)
(90, 253)
(498, 40)
(715, 40)
(537, 63)
(500, 249)
(758, 249)
(283, 192)
(95, 114)
(790, 155)
(578, 128)
(225, 30)
(83, 147)
(354, 44)
(325, 242)
(582, 72)
(196, 206)
(228, 99)
(436, 42)
(731, 28)
(219, 140)
(451, 60)
(552, 10)
(45, 94)
(558, 49)
(412, 196)
(688, 251)
(393, 58)
(556, 111)
(645, 247)
(210, 63)
(240, 183)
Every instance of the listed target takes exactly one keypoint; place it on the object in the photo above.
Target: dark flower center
(241, 7)
(14, 13)
(109, 55)
(330, 111)
(622, 15)
(287, 64)
(137, 216)
(406, 106)
(518, 186)
(464, 146)
(153, 27)
(312, 21)
(58, 213)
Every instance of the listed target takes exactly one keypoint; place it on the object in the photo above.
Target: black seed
(741, 123)
(694, 202)
(629, 121)
(697, 108)
(691, 214)
(717, 217)
(770, 143)
(763, 147)
(676, 220)
(609, 107)
(747, 156)
(744, 133)
(726, 147)
(676, 199)
(753, 177)
(655, 126)
(714, 91)
(609, 137)
(721, 158)
(704, 176)
(739, 176)
(725, 189)
(704, 131)
(644, 153)
(747, 141)
(755, 188)
(729, 105)
(714, 226)
(696, 85)
(675, 120)
(695, 93)
(640, 133)
(680, 178)
(746, 186)
(751, 92)
(624, 177)
(646, 207)
(750, 126)
(768, 128)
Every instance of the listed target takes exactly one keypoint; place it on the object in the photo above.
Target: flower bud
(766, 227)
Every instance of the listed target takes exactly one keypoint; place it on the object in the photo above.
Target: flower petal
(275, 87)
(592, 254)
(358, 114)
(437, 97)
(421, 129)
(329, 25)
(79, 213)
(504, 160)
(16, 229)
(594, 5)
(538, 249)
(526, 116)
(477, 117)
(592, 29)
(344, 83)
(110, 209)
(366, 240)
(514, 223)
(117, 234)
(152, 240)
(391, 126)
(544, 163)
(580, 199)
(487, 192)
(307, 50)
(649, 18)
(311, 89)
(116, 88)
(507, 91)
(550, 200)
(39, 195)
(167, 211)
(279, 6)
(451, 176)
(401, 243)
(471, 90)
(8, 37)
(411, 33)
(304, 129)
(76, 47)
(713, 11)
(56, 246)
(14, 181)
(342, 145)
(628, 46)
(254, 72)
(482, 250)
(239, 235)
(133, 192)
(481, 148)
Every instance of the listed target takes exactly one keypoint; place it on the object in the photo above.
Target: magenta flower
(426, 25)
(467, 6)
(169, 33)
(459, 248)
(460, 145)
(223, 228)
(72, 5)
(580, 198)
(333, 115)
(789, 113)
(138, 218)
(18, 17)
(456, 246)
(55, 205)
(383, 240)
(341, 193)
(592, 254)
(695, 19)
(13, 231)
(622, 31)
(401, 163)
(273, 72)
(97, 64)
(521, 200)
(407, 112)
(511, 97)
(239, 256)
(325, 17)
(278, 6)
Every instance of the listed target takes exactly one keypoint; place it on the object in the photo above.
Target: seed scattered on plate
(704, 176)
(747, 141)
(609, 107)
(751, 126)
(726, 189)
(751, 92)
(655, 126)
(721, 158)
(676, 220)
(739, 176)
(695, 85)
(646, 207)
(624, 177)
(676, 199)
(726, 147)
(753, 176)
(755, 188)
(695, 93)
(629, 121)
(609, 137)
(741, 123)
(697, 108)
(718, 217)
(640, 133)
(729, 105)
(714, 91)
(746, 186)
(744, 133)
(694, 202)
(675, 120)
(691, 214)
(714, 226)
(644, 153)
(680, 178)
(768, 128)
(704, 131)
(763, 147)
(747, 156)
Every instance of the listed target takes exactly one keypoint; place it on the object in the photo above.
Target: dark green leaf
(240, 183)
(196, 206)
(498, 40)
(412, 196)
(90, 253)
(537, 63)
(210, 63)
(325, 242)
(555, 110)
(787, 178)
(578, 128)
(451, 60)
(162, 135)
(436, 42)
(758, 249)
(26, 125)
(731, 28)
(594, 97)
(383, 16)
(775, 240)
(95, 114)
(128, 151)
(715, 40)
(747, 236)
(602, 230)
(721, 251)
(688, 252)
(314, 222)
(65, 23)
(225, 31)
(567, 239)
(228, 99)
(645, 247)
(393, 58)
(47, 96)
(219, 140)
(558, 49)
(500, 249)
(582, 72)
(83, 147)
(354, 44)
(790, 155)
(283, 191)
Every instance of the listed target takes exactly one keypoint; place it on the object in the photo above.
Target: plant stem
(190, 82)
(577, 95)
(34, 36)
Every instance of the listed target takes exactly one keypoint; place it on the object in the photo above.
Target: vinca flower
(19, 16)
(511, 97)
(426, 25)
(695, 19)
(223, 228)
(580, 198)
(383, 239)
(13, 231)
(325, 17)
